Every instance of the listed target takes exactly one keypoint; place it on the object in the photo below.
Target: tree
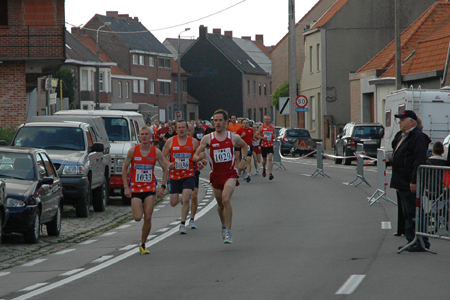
(68, 81)
(281, 91)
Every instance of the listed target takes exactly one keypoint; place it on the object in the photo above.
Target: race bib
(144, 173)
(182, 163)
(268, 135)
(222, 155)
(199, 136)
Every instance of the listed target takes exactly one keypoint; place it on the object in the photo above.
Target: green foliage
(69, 83)
(281, 91)
(7, 134)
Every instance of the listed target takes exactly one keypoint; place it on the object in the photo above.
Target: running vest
(267, 131)
(221, 154)
(198, 133)
(142, 178)
(183, 157)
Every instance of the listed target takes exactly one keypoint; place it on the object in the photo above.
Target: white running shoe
(192, 224)
(182, 229)
(256, 172)
(224, 233)
(228, 239)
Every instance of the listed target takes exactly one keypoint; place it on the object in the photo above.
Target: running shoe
(192, 224)
(249, 177)
(228, 239)
(182, 229)
(256, 172)
(143, 250)
(271, 176)
(264, 172)
(224, 233)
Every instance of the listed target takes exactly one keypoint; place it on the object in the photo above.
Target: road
(295, 237)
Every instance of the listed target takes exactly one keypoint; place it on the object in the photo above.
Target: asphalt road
(295, 237)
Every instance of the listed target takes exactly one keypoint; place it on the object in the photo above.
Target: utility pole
(293, 120)
(179, 108)
(398, 53)
(97, 70)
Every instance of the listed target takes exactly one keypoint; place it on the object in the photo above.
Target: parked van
(432, 106)
(123, 133)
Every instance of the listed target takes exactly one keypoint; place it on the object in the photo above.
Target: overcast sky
(167, 18)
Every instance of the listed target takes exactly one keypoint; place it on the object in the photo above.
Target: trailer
(148, 111)
(431, 106)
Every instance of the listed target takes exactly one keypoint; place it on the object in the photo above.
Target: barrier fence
(432, 204)
(359, 165)
(277, 155)
(319, 170)
(380, 193)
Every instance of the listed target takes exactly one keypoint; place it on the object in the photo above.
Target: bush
(7, 134)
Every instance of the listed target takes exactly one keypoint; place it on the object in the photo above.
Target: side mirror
(381, 133)
(97, 147)
(46, 180)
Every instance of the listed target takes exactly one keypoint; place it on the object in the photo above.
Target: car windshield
(16, 165)
(372, 132)
(297, 133)
(49, 137)
(117, 129)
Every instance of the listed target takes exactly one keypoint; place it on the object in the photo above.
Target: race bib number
(268, 135)
(182, 163)
(222, 155)
(144, 173)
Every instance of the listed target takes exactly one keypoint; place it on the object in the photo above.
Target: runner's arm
(165, 154)
(163, 165)
(200, 153)
(126, 164)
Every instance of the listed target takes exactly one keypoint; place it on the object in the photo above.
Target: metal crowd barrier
(277, 155)
(360, 165)
(432, 204)
(382, 184)
(319, 170)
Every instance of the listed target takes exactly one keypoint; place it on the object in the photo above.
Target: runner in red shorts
(223, 176)
(256, 149)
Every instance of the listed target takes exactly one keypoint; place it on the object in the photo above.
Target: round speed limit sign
(301, 101)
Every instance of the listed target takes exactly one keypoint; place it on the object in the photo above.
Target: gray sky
(243, 17)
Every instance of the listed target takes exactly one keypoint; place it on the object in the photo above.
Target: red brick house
(32, 44)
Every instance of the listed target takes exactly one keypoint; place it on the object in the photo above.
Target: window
(161, 63)
(135, 59)
(151, 61)
(388, 118)
(259, 88)
(152, 87)
(120, 89)
(3, 12)
(265, 89)
(84, 80)
(142, 86)
(175, 87)
(254, 87)
(249, 113)
(92, 81)
(41, 166)
(310, 59)
(141, 60)
(184, 86)
(261, 116)
(164, 63)
(167, 63)
(254, 114)
(48, 165)
(127, 86)
(135, 86)
(248, 87)
(318, 57)
(270, 88)
(164, 88)
(100, 81)
(313, 113)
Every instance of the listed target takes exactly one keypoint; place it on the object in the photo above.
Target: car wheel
(347, 161)
(100, 195)
(125, 200)
(54, 226)
(337, 161)
(32, 235)
(82, 207)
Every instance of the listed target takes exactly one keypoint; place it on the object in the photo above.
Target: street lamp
(97, 70)
(179, 75)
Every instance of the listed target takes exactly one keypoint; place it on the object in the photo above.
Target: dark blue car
(3, 210)
(33, 192)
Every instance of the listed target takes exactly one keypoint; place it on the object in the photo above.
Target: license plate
(116, 190)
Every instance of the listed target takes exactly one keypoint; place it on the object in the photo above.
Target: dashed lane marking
(126, 248)
(102, 259)
(33, 287)
(386, 225)
(350, 285)
(34, 262)
(123, 226)
(87, 242)
(64, 251)
(4, 273)
(71, 272)
(109, 233)
(163, 229)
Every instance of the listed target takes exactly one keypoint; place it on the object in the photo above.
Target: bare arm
(126, 165)
(166, 152)
(238, 142)
(163, 165)
(200, 153)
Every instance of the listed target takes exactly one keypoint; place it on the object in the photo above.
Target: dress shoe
(398, 234)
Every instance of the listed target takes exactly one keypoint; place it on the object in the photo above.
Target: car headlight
(73, 170)
(11, 202)
(119, 162)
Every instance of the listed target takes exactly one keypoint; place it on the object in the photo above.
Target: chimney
(229, 33)
(112, 14)
(76, 31)
(259, 38)
(126, 17)
(136, 19)
(217, 31)
(203, 31)
(247, 38)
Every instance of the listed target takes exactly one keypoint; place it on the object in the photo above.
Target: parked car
(78, 157)
(369, 134)
(34, 192)
(4, 212)
(296, 140)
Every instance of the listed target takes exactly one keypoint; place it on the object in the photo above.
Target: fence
(380, 193)
(277, 155)
(432, 204)
(319, 170)
(359, 166)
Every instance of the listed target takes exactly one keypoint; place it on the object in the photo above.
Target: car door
(95, 159)
(340, 142)
(48, 192)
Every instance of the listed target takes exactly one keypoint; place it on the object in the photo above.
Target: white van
(432, 106)
(123, 133)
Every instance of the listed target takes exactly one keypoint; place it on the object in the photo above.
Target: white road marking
(64, 251)
(151, 236)
(350, 285)
(102, 259)
(165, 202)
(88, 242)
(163, 229)
(34, 262)
(109, 233)
(123, 226)
(126, 248)
(71, 272)
(307, 175)
(386, 225)
(175, 223)
(33, 287)
(201, 204)
(160, 206)
(4, 273)
(156, 209)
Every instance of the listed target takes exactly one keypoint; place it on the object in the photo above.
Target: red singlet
(221, 160)
(142, 178)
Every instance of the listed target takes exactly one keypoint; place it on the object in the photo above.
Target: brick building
(31, 45)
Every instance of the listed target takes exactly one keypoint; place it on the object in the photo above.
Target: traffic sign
(298, 109)
(301, 101)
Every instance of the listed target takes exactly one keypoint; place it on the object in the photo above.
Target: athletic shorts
(197, 178)
(256, 149)
(142, 195)
(237, 149)
(265, 151)
(177, 186)
(218, 180)
(249, 150)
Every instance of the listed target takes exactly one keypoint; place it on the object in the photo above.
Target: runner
(266, 133)
(181, 148)
(141, 183)
(246, 133)
(223, 176)
(234, 126)
(256, 149)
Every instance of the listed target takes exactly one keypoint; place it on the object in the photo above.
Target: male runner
(223, 176)
(256, 149)
(140, 185)
(246, 133)
(234, 126)
(266, 133)
(181, 148)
